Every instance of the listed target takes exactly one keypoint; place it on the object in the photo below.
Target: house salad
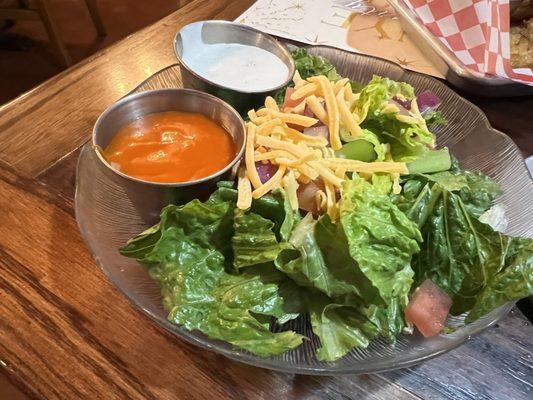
(343, 211)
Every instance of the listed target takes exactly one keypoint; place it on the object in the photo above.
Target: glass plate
(107, 219)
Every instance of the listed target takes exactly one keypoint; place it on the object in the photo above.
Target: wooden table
(67, 333)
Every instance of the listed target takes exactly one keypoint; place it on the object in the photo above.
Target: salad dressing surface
(170, 147)
(237, 66)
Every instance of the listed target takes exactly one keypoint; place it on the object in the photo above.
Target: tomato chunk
(428, 308)
(288, 102)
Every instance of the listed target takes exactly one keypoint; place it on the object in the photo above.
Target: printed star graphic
(296, 6)
(404, 62)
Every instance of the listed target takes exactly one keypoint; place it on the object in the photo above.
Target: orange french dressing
(170, 147)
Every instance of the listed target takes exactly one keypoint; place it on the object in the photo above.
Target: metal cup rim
(291, 66)
(183, 91)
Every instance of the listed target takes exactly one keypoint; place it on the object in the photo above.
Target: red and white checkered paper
(477, 31)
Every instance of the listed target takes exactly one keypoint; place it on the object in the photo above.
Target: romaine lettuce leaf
(277, 208)
(458, 248)
(512, 283)
(142, 244)
(320, 259)
(389, 320)
(476, 190)
(231, 316)
(462, 255)
(365, 259)
(254, 242)
(373, 139)
(434, 117)
(294, 296)
(381, 239)
(188, 262)
(431, 161)
(274, 206)
(455, 242)
(307, 265)
(479, 192)
(340, 328)
(407, 136)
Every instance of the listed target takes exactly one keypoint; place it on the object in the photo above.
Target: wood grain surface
(67, 333)
(66, 106)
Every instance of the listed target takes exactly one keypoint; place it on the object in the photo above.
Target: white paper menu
(361, 26)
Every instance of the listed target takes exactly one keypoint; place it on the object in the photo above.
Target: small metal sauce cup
(150, 197)
(204, 33)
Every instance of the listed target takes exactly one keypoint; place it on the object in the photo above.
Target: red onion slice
(265, 171)
(427, 101)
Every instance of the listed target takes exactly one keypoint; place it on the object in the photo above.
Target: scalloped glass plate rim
(383, 364)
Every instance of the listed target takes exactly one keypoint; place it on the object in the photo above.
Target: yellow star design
(404, 62)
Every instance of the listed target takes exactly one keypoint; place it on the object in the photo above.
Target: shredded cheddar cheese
(291, 187)
(251, 171)
(304, 91)
(271, 104)
(276, 135)
(270, 184)
(333, 110)
(317, 109)
(244, 191)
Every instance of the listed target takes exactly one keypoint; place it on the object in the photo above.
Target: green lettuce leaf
(305, 264)
(407, 140)
(455, 242)
(294, 296)
(340, 328)
(308, 65)
(254, 242)
(188, 262)
(511, 283)
(462, 255)
(381, 239)
(476, 190)
(320, 260)
(274, 206)
(459, 251)
(434, 117)
(379, 91)
(231, 317)
(431, 161)
(277, 208)
(389, 320)
(373, 139)
(479, 192)
(142, 244)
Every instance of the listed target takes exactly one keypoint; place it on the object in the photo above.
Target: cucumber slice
(359, 149)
